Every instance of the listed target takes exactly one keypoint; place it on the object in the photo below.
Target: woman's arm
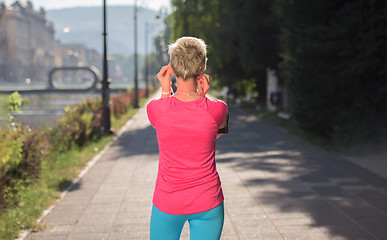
(164, 77)
(223, 128)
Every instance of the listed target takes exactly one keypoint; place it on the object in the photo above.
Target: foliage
(21, 155)
(150, 65)
(241, 37)
(330, 54)
(79, 125)
(336, 76)
(127, 64)
(121, 103)
(161, 44)
(13, 103)
(11, 150)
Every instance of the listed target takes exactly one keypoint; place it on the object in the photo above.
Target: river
(44, 109)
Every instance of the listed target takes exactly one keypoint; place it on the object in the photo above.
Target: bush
(11, 150)
(21, 153)
(24, 149)
(79, 125)
(121, 103)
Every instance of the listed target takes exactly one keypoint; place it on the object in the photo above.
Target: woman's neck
(186, 90)
(187, 86)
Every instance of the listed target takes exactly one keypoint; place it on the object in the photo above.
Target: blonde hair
(188, 57)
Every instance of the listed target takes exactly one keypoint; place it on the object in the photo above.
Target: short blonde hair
(188, 57)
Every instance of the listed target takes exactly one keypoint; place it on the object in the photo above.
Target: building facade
(27, 44)
(76, 55)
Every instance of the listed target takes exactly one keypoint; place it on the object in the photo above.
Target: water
(44, 109)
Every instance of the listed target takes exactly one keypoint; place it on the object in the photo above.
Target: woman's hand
(203, 82)
(164, 76)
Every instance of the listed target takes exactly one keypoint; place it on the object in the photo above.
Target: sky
(57, 4)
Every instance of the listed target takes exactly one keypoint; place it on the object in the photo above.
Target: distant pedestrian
(187, 123)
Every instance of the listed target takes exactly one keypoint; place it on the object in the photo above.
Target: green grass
(56, 175)
(3, 107)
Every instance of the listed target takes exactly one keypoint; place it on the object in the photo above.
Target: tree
(334, 61)
(241, 37)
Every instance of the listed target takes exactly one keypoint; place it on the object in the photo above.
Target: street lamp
(135, 105)
(105, 121)
(147, 25)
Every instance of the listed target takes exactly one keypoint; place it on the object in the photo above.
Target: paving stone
(88, 236)
(39, 236)
(62, 217)
(129, 236)
(100, 228)
(347, 232)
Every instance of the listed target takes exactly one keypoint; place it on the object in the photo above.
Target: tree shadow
(131, 143)
(135, 142)
(290, 175)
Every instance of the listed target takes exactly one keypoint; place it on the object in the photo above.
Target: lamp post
(105, 121)
(135, 105)
(147, 25)
(146, 60)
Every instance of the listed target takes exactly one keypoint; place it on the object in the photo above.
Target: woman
(188, 187)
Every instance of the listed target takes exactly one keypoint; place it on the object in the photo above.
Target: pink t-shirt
(187, 180)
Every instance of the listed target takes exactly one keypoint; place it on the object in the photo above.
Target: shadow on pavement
(132, 143)
(289, 175)
(135, 142)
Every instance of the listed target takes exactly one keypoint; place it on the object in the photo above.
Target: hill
(85, 25)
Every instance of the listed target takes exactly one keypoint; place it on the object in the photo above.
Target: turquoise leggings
(202, 226)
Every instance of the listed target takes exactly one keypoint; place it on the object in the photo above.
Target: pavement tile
(307, 222)
(286, 229)
(70, 206)
(293, 215)
(133, 220)
(185, 232)
(59, 231)
(96, 219)
(62, 217)
(259, 235)
(229, 237)
(88, 236)
(254, 227)
(347, 232)
(100, 228)
(305, 235)
(129, 236)
(40, 236)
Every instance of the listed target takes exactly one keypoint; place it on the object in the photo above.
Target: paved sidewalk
(276, 187)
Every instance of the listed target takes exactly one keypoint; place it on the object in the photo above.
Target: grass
(56, 175)
(3, 107)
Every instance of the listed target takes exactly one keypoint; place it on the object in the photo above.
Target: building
(76, 55)
(27, 45)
